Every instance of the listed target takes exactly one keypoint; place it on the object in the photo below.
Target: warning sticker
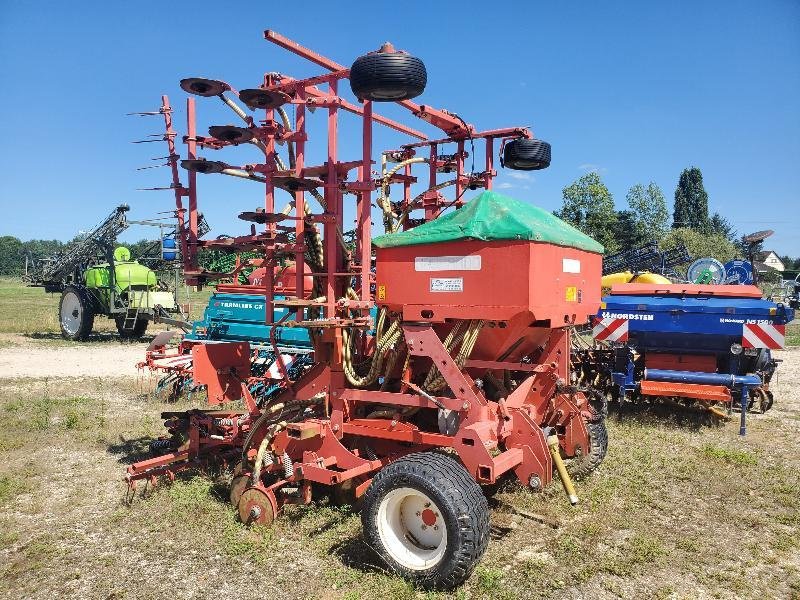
(571, 294)
(381, 292)
(447, 284)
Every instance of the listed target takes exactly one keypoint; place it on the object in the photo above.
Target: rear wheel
(581, 466)
(428, 519)
(76, 314)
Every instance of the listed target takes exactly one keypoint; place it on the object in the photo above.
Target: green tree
(589, 206)
(627, 232)
(701, 245)
(789, 263)
(721, 225)
(10, 256)
(691, 202)
(39, 249)
(650, 211)
(143, 249)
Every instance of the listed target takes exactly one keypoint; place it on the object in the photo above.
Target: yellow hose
(384, 340)
(383, 197)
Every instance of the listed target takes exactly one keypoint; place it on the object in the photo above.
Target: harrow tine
(155, 137)
(152, 167)
(148, 113)
(155, 189)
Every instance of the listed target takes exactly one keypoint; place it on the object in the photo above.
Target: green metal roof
(492, 216)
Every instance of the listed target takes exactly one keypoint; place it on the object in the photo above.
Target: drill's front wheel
(581, 466)
(428, 519)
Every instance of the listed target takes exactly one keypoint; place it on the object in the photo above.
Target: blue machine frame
(684, 323)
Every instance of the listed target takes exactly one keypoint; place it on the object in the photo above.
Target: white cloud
(589, 168)
(517, 175)
(504, 186)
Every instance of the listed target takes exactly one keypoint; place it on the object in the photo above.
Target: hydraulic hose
(262, 448)
(384, 341)
(383, 197)
(401, 219)
(467, 338)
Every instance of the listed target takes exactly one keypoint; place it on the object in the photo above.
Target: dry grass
(677, 510)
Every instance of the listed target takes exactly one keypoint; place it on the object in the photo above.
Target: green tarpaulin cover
(493, 216)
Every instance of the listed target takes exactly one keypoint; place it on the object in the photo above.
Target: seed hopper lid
(492, 216)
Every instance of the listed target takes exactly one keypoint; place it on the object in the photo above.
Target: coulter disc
(255, 507)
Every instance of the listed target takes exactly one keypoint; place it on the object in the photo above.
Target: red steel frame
(493, 437)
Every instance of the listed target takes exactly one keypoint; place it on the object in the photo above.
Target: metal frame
(493, 437)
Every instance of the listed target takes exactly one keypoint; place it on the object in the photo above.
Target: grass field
(33, 313)
(681, 508)
(793, 332)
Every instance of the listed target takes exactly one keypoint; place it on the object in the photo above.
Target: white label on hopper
(447, 284)
(447, 263)
(570, 265)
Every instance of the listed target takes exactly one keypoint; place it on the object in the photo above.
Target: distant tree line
(589, 205)
(13, 252)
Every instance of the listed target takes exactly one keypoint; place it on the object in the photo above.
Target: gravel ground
(23, 357)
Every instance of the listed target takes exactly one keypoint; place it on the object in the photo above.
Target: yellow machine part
(122, 254)
(629, 277)
(145, 299)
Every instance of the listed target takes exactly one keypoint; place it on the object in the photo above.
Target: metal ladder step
(131, 316)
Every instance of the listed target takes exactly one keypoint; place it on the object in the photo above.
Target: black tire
(526, 155)
(463, 512)
(388, 77)
(75, 313)
(138, 330)
(581, 467)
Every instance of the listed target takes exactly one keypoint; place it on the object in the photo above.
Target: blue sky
(636, 90)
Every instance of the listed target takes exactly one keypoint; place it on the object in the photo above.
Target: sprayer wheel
(428, 519)
(387, 77)
(76, 313)
(581, 467)
(135, 333)
(255, 507)
(526, 155)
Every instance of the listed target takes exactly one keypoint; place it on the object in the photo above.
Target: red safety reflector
(611, 329)
(764, 336)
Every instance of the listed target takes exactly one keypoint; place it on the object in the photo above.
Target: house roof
(762, 256)
(763, 267)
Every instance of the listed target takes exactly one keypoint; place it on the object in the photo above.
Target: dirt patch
(22, 356)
